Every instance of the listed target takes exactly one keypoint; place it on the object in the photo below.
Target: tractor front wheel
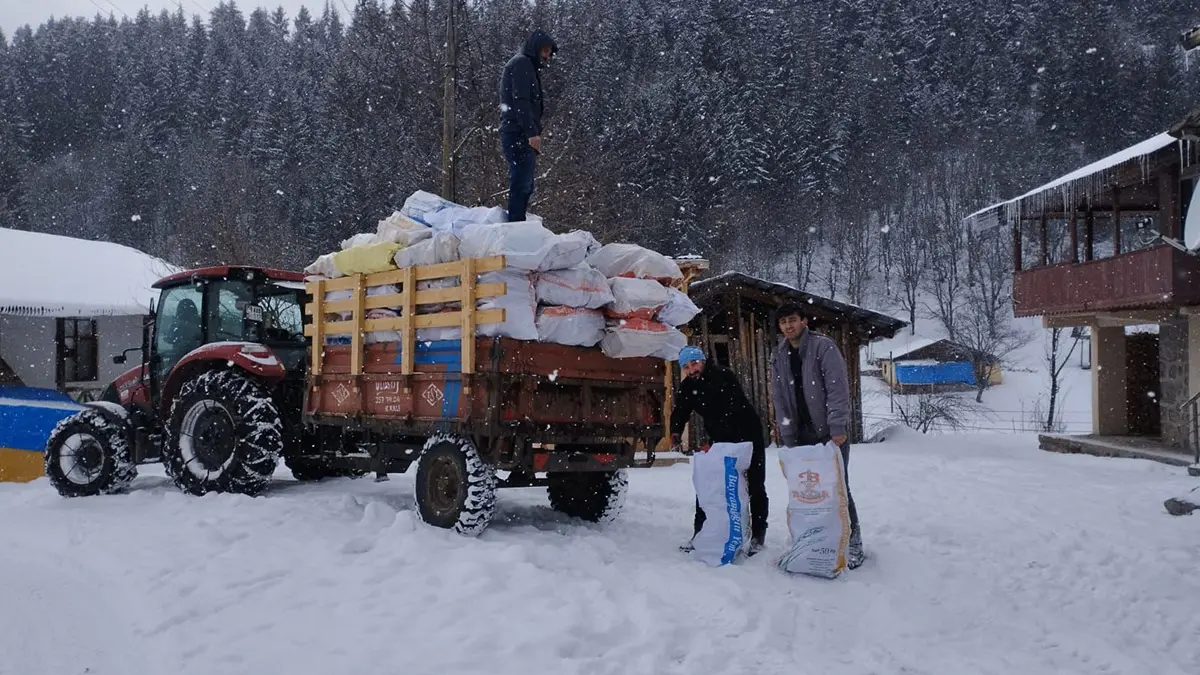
(224, 435)
(88, 454)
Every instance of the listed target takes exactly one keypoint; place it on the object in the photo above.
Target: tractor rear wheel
(592, 496)
(88, 454)
(224, 435)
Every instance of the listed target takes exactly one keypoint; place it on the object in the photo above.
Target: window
(178, 330)
(227, 302)
(77, 351)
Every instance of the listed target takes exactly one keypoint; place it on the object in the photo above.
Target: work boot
(756, 544)
(855, 556)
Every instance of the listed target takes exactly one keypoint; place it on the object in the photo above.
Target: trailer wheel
(592, 496)
(455, 488)
(88, 454)
(224, 435)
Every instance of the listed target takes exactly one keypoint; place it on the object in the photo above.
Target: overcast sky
(16, 13)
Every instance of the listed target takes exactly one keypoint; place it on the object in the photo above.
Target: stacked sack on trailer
(561, 288)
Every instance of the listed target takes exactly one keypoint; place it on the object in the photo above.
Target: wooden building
(1111, 245)
(737, 330)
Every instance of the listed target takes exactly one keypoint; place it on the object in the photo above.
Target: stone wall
(1173, 388)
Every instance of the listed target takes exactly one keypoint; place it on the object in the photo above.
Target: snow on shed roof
(986, 219)
(878, 324)
(56, 276)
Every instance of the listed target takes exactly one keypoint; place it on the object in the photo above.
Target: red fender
(133, 387)
(249, 357)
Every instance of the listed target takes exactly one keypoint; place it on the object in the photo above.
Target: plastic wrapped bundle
(570, 326)
(631, 260)
(579, 286)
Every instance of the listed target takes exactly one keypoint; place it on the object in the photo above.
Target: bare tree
(984, 325)
(860, 254)
(910, 245)
(1056, 360)
(929, 410)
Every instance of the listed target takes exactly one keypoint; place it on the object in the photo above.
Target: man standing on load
(715, 394)
(811, 392)
(521, 108)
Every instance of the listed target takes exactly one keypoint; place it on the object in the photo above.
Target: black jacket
(521, 89)
(716, 395)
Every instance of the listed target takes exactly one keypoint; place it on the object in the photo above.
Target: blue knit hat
(690, 353)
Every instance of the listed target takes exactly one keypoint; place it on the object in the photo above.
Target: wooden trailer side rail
(408, 300)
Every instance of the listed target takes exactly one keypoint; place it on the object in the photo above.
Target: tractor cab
(228, 305)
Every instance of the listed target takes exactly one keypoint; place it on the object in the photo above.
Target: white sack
(363, 239)
(431, 284)
(382, 335)
(818, 512)
(636, 298)
(526, 245)
(441, 247)
(633, 338)
(400, 229)
(570, 326)
(519, 305)
(455, 219)
(420, 205)
(579, 286)
(631, 260)
(679, 308)
(323, 266)
(719, 477)
(674, 342)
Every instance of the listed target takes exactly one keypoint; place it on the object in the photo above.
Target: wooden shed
(736, 329)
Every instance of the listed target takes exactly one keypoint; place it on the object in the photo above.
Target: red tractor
(222, 366)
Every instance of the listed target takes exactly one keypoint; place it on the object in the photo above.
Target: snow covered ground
(987, 556)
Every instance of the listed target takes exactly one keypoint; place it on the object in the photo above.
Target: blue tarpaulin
(936, 373)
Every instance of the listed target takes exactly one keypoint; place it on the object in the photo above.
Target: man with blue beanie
(714, 393)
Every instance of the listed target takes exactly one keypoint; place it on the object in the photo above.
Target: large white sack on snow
(519, 305)
(679, 308)
(400, 229)
(526, 245)
(631, 260)
(719, 477)
(570, 326)
(579, 286)
(633, 338)
(636, 298)
(441, 247)
(323, 266)
(818, 513)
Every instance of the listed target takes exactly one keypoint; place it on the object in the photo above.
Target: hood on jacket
(533, 46)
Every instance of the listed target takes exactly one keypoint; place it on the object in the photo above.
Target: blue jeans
(521, 164)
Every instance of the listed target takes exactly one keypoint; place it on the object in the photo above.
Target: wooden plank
(424, 273)
(425, 297)
(358, 319)
(442, 320)
(318, 320)
(408, 325)
(468, 320)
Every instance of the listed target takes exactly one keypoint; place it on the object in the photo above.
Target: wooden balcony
(1152, 278)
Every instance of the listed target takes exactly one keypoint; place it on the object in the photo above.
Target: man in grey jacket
(811, 392)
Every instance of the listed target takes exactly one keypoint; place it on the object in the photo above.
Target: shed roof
(874, 324)
(51, 275)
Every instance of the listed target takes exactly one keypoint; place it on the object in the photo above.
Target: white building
(67, 306)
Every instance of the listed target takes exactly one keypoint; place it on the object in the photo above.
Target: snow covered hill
(987, 556)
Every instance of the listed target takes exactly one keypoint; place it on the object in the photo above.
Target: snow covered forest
(836, 144)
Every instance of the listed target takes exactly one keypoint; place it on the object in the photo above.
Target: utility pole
(448, 97)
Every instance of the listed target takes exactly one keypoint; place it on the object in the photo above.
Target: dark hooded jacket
(521, 88)
(717, 396)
